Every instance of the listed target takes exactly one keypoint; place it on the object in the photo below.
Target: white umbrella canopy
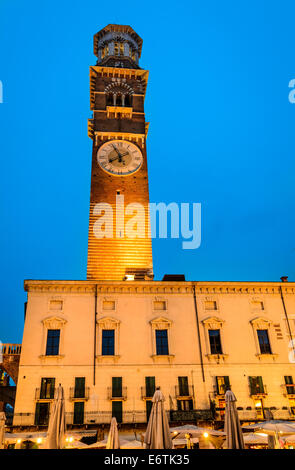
(157, 435)
(232, 426)
(290, 438)
(134, 444)
(2, 429)
(195, 431)
(252, 438)
(57, 426)
(113, 441)
(274, 426)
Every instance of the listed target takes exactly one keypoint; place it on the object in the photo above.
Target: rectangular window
(117, 410)
(263, 340)
(116, 387)
(56, 304)
(215, 341)
(222, 384)
(210, 305)
(47, 388)
(257, 305)
(150, 386)
(78, 412)
(159, 305)
(108, 342)
(290, 387)
(108, 305)
(256, 385)
(184, 405)
(183, 386)
(42, 414)
(79, 387)
(162, 342)
(52, 346)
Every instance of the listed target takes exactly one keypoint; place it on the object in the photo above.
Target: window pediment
(54, 323)
(160, 323)
(213, 323)
(108, 323)
(260, 323)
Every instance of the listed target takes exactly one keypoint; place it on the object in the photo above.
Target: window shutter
(226, 383)
(260, 382)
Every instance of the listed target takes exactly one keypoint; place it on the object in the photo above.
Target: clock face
(119, 157)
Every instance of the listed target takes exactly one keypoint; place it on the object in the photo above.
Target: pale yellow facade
(81, 310)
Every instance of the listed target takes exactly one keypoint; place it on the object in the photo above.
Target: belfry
(119, 158)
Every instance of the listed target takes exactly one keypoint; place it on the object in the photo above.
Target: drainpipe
(94, 348)
(198, 330)
(285, 279)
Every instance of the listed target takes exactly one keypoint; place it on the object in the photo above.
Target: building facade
(111, 343)
(112, 339)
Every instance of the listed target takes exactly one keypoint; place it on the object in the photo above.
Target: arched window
(119, 94)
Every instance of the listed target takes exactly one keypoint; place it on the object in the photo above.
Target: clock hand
(117, 151)
(112, 159)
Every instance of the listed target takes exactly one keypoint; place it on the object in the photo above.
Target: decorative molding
(155, 287)
(101, 137)
(54, 322)
(213, 323)
(217, 357)
(108, 323)
(163, 359)
(161, 323)
(107, 359)
(261, 323)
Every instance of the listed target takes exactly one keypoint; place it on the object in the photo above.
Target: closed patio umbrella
(2, 429)
(113, 441)
(157, 435)
(57, 426)
(232, 427)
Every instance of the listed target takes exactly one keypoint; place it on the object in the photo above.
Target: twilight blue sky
(218, 87)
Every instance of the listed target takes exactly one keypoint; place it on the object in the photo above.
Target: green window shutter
(117, 410)
(288, 379)
(251, 383)
(79, 412)
(260, 383)
(37, 413)
(79, 387)
(117, 386)
(226, 383)
(150, 386)
(183, 386)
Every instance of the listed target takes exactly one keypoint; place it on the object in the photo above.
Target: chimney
(284, 278)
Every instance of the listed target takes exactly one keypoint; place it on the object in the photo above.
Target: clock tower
(119, 178)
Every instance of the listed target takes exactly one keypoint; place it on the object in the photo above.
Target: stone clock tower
(119, 177)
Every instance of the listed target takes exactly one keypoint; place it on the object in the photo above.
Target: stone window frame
(257, 299)
(210, 299)
(108, 323)
(159, 299)
(161, 323)
(59, 299)
(214, 323)
(263, 323)
(53, 323)
(108, 299)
